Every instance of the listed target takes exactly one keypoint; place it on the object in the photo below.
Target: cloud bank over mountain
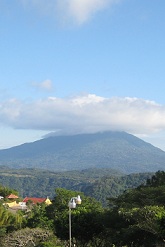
(84, 114)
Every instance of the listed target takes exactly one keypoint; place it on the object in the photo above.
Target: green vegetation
(136, 218)
(116, 150)
(100, 183)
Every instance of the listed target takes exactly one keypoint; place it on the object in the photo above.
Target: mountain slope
(116, 150)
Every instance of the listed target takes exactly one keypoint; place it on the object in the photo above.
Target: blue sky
(81, 66)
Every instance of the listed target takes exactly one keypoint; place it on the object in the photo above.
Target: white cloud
(85, 114)
(78, 11)
(81, 10)
(44, 85)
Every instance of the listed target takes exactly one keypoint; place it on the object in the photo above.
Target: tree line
(100, 183)
(136, 218)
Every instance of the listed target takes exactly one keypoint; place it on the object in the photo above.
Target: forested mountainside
(116, 150)
(98, 183)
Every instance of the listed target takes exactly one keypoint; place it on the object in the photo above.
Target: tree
(25, 238)
(5, 191)
(148, 221)
(86, 218)
(38, 217)
(10, 221)
(156, 180)
(140, 197)
(142, 212)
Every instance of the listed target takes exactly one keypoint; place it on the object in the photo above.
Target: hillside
(98, 183)
(117, 150)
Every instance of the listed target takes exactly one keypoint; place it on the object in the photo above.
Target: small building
(23, 205)
(11, 204)
(12, 196)
(36, 200)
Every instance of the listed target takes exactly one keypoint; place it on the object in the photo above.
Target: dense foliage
(98, 183)
(135, 218)
(143, 211)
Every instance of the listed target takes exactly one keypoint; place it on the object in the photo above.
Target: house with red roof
(36, 200)
(23, 204)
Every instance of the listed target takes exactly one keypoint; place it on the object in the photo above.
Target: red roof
(34, 199)
(12, 196)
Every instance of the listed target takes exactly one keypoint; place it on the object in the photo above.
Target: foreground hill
(116, 150)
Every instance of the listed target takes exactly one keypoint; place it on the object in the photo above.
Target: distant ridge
(116, 150)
